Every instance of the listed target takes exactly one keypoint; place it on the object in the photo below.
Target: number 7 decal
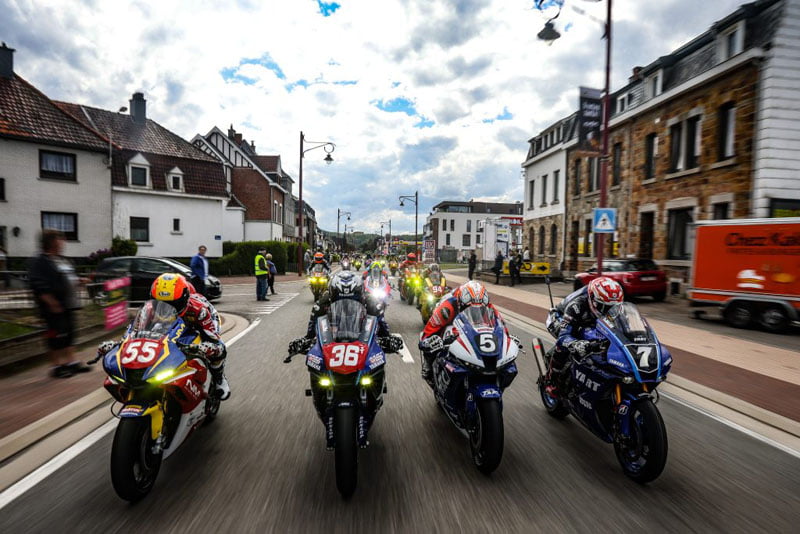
(644, 353)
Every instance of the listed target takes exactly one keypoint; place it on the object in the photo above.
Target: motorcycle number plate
(345, 358)
(139, 353)
(645, 356)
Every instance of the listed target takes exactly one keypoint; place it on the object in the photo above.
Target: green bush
(228, 247)
(123, 247)
(242, 260)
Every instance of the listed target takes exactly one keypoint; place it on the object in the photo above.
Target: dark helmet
(344, 284)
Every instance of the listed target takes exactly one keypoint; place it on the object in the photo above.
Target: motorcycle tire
(345, 425)
(555, 407)
(644, 455)
(486, 436)
(134, 467)
(410, 299)
(212, 408)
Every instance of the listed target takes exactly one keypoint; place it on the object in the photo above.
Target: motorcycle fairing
(153, 409)
(592, 387)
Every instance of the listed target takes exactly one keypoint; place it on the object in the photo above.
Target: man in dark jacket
(199, 265)
(497, 268)
(471, 263)
(55, 287)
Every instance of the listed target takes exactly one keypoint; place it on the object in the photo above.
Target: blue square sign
(604, 220)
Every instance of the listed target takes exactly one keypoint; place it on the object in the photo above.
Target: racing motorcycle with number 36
(613, 391)
(166, 391)
(468, 379)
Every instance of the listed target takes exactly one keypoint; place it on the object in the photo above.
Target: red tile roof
(267, 163)
(27, 114)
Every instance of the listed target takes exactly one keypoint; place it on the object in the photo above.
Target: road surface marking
(68, 454)
(275, 302)
(405, 354)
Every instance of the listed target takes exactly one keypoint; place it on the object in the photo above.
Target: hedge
(241, 257)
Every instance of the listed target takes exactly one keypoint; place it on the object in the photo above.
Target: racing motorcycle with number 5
(468, 379)
(166, 391)
(612, 392)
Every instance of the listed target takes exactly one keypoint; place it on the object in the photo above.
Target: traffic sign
(604, 220)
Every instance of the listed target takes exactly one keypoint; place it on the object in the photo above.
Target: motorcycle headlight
(162, 377)
(325, 382)
(366, 380)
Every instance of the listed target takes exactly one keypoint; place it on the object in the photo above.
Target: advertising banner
(590, 108)
(428, 251)
(115, 303)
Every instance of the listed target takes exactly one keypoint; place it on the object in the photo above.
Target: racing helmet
(319, 257)
(344, 284)
(434, 268)
(411, 256)
(604, 293)
(173, 289)
(471, 293)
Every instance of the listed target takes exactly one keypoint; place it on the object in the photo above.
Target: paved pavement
(262, 465)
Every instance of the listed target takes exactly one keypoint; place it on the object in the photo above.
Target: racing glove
(301, 345)
(584, 347)
(433, 343)
(391, 343)
(516, 340)
(105, 347)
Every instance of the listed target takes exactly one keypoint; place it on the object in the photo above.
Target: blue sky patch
(328, 8)
(346, 82)
(397, 105)
(424, 123)
(504, 116)
(266, 61)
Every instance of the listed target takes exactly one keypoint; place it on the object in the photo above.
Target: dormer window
(622, 103)
(139, 172)
(653, 85)
(731, 41)
(175, 179)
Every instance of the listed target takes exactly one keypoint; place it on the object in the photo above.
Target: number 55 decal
(141, 351)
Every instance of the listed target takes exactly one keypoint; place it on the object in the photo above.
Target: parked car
(638, 277)
(144, 270)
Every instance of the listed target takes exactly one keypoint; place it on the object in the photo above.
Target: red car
(638, 277)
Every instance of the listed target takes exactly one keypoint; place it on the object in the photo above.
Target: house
(706, 132)
(53, 172)
(454, 226)
(272, 166)
(545, 170)
(167, 195)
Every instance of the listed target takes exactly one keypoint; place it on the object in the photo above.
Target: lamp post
(329, 147)
(339, 215)
(549, 34)
(415, 200)
(389, 241)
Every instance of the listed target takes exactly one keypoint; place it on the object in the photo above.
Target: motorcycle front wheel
(134, 467)
(643, 455)
(486, 436)
(555, 407)
(344, 427)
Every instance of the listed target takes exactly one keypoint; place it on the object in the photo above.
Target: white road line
(276, 302)
(68, 454)
(405, 354)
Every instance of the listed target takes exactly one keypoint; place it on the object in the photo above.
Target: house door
(646, 222)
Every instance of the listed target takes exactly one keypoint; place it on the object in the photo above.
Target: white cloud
(459, 63)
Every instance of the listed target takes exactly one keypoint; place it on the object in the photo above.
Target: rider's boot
(554, 376)
(223, 390)
(427, 371)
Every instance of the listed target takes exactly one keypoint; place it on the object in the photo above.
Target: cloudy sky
(438, 96)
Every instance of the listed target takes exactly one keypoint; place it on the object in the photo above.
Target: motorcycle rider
(200, 316)
(573, 315)
(409, 262)
(431, 341)
(319, 259)
(433, 277)
(345, 285)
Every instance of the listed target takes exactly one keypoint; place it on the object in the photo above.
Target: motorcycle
(432, 292)
(376, 286)
(318, 281)
(613, 392)
(468, 379)
(410, 285)
(393, 267)
(357, 264)
(166, 391)
(346, 370)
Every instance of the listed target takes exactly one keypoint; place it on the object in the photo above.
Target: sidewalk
(766, 377)
(28, 398)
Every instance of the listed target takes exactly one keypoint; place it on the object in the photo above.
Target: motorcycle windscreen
(480, 317)
(628, 324)
(376, 275)
(346, 319)
(435, 278)
(154, 320)
(318, 268)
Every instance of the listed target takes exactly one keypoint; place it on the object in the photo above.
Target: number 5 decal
(487, 343)
(644, 354)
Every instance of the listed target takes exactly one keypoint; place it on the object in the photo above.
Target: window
(531, 194)
(692, 142)
(469, 225)
(2, 188)
(654, 85)
(621, 101)
(721, 211)
(140, 229)
(576, 189)
(176, 182)
(57, 165)
(616, 176)
(732, 44)
(452, 225)
(139, 176)
(587, 230)
(553, 238)
(66, 223)
(555, 186)
(447, 239)
(176, 225)
(541, 240)
(675, 155)
(544, 190)
(593, 180)
(153, 266)
(679, 239)
(478, 239)
(280, 212)
(274, 210)
(650, 151)
(726, 121)
(465, 240)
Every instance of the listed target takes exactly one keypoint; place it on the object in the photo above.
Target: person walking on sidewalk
(272, 272)
(497, 268)
(512, 268)
(199, 265)
(471, 263)
(55, 288)
(262, 274)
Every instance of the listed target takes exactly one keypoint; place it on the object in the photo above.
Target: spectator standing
(512, 268)
(307, 260)
(498, 266)
(55, 287)
(272, 272)
(262, 274)
(199, 265)
(473, 261)
(526, 255)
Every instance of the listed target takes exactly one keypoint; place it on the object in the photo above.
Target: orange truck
(750, 268)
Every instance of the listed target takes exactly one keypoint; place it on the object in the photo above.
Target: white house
(53, 172)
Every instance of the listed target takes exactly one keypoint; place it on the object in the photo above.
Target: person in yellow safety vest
(262, 274)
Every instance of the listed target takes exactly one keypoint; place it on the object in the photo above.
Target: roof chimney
(138, 108)
(253, 146)
(231, 132)
(6, 61)
(637, 74)
(238, 139)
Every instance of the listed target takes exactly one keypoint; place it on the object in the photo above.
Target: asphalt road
(262, 465)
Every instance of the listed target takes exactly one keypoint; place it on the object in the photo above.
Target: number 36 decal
(344, 354)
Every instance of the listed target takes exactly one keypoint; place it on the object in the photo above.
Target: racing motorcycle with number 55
(166, 391)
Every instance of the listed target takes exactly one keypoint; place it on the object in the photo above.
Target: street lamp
(329, 147)
(339, 215)
(415, 200)
(549, 34)
(389, 222)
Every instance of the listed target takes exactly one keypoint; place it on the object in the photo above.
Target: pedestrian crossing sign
(604, 220)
